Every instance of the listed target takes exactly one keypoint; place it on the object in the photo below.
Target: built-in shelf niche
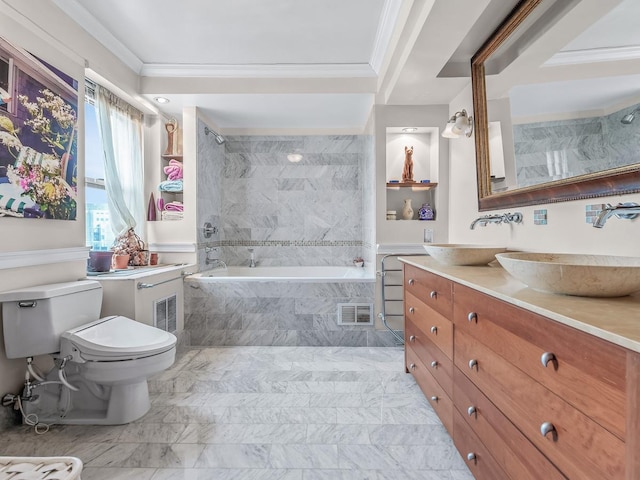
(425, 167)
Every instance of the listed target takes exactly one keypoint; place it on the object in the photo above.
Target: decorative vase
(426, 212)
(407, 210)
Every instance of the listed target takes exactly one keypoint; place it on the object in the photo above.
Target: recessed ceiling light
(161, 100)
(294, 157)
(409, 129)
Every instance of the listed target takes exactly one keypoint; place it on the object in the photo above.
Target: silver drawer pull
(473, 363)
(411, 281)
(433, 294)
(547, 428)
(412, 338)
(471, 411)
(434, 364)
(546, 358)
(28, 304)
(471, 457)
(411, 309)
(434, 330)
(434, 399)
(473, 316)
(412, 366)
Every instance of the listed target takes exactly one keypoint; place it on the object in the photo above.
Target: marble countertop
(134, 273)
(614, 319)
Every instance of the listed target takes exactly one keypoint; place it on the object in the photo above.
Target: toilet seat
(116, 338)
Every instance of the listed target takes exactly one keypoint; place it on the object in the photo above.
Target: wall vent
(165, 313)
(355, 314)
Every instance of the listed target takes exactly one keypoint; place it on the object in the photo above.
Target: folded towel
(170, 186)
(167, 215)
(174, 207)
(173, 171)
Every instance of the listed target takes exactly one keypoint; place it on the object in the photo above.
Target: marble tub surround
(612, 319)
(257, 195)
(267, 413)
(277, 313)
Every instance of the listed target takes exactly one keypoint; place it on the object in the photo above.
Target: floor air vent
(165, 314)
(355, 314)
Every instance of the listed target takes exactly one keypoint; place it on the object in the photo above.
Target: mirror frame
(618, 181)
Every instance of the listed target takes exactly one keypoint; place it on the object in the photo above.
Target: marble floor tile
(266, 413)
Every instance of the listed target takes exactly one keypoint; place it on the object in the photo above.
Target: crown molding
(594, 55)
(356, 70)
(94, 28)
(390, 11)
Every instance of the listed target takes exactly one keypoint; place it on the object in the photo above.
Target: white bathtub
(286, 274)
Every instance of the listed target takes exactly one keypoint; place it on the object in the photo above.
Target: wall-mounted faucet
(503, 218)
(627, 210)
(252, 260)
(213, 261)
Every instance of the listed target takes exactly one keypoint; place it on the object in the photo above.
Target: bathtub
(286, 274)
(281, 306)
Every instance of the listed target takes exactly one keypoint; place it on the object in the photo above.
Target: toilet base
(91, 404)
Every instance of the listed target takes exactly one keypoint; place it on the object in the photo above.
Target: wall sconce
(459, 124)
(294, 157)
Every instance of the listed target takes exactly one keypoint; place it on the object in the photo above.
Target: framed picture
(38, 137)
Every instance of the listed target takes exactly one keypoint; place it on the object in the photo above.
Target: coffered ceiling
(278, 64)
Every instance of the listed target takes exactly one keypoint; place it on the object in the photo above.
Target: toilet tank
(33, 318)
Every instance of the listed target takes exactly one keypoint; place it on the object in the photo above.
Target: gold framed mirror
(507, 46)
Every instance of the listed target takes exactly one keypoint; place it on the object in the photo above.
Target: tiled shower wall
(307, 213)
(576, 147)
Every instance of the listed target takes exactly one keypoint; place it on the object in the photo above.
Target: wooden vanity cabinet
(428, 306)
(532, 398)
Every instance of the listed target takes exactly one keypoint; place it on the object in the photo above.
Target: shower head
(629, 117)
(218, 138)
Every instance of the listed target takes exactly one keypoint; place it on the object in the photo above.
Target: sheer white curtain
(120, 127)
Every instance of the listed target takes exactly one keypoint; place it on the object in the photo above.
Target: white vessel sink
(574, 274)
(461, 254)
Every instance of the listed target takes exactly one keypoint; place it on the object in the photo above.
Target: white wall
(41, 28)
(566, 230)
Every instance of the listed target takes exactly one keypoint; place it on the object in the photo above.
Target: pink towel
(173, 207)
(173, 171)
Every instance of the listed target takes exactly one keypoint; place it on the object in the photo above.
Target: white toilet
(101, 364)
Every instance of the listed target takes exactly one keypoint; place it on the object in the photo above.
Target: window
(99, 235)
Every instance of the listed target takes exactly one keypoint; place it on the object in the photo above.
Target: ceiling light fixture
(161, 100)
(410, 130)
(294, 157)
(459, 124)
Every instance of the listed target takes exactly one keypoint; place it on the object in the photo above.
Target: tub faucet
(213, 261)
(627, 210)
(252, 260)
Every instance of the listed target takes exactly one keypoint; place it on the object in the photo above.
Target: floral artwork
(38, 135)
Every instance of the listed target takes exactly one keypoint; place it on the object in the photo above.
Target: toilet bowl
(102, 366)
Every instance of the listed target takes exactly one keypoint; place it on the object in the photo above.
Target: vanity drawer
(475, 454)
(437, 328)
(587, 372)
(440, 366)
(437, 397)
(435, 291)
(578, 446)
(517, 456)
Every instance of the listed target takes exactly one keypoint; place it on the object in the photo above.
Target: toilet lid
(119, 337)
